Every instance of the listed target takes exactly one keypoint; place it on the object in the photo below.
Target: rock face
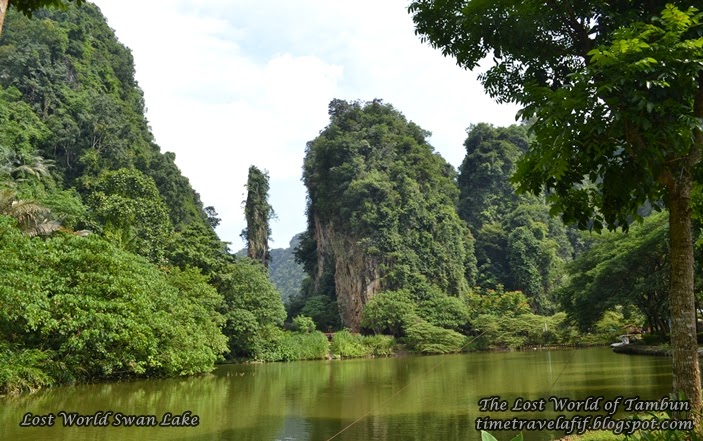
(356, 274)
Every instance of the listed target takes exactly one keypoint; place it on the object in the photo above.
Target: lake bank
(637, 349)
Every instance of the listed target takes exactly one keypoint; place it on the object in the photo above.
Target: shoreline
(637, 349)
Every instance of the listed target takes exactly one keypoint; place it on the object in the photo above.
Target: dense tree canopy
(99, 311)
(285, 272)
(518, 245)
(486, 194)
(622, 269)
(253, 308)
(27, 7)
(616, 95)
(127, 209)
(67, 67)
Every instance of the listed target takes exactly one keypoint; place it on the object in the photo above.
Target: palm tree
(17, 168)
(32, 218)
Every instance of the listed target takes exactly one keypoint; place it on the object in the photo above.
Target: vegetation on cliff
(381, 211)
(258, 213)
(111, 267)
(518, 244)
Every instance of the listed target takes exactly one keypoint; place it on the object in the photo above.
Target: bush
(661, 339)
(253, 307)
(23, 370)
(497, 302)
(388, 311)
(607, 329)
(445, 311)
(323, 310)
(289, 346)
(379, 345)
(101, 311)
(303, 324)
(427, 338)
(522, 330)
(346, 344)
(611, 325)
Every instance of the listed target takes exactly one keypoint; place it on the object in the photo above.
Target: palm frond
(33, 218)
(44, 228)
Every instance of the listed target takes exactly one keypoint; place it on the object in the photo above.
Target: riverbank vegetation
(110, 266)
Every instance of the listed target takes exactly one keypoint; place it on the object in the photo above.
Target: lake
(404, 398)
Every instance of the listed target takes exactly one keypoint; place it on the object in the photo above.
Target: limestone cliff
(356, 274)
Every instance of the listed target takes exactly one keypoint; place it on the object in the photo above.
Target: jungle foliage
(623, 269)
(285, 272)
(615, 94)
(110, 266)
(518, 244)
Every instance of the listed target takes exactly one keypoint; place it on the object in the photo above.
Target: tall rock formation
(381, 210)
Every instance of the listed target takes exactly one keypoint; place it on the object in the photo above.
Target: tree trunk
(684, 343)
(3, 10)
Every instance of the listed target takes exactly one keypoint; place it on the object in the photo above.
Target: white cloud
(231, 83)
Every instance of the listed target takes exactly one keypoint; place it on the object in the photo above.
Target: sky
(233, 83)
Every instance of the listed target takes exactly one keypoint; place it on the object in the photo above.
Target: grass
(23, 370)
(348, 345)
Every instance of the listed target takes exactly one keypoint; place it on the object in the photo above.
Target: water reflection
(407, 398)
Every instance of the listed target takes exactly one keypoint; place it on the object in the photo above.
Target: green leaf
(485, 436)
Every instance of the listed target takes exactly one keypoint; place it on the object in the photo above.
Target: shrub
(101, 311)
(323, 310)
(289, 346)
(445, 311)
(522, 330)
(427, 338)
(346, 344)
(611, 325)
(379, 345)
(303, 324)
(23, 370)
(388, 311)
(498, 302)
(253, 307)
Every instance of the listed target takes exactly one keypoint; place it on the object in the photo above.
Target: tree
(388, 311)
(253, 308)
(28, 6)
(615, 90)
(127, 209)
(622, 269)
(212, 218)
(258, 213)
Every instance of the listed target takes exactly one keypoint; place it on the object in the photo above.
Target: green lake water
(405, 398)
